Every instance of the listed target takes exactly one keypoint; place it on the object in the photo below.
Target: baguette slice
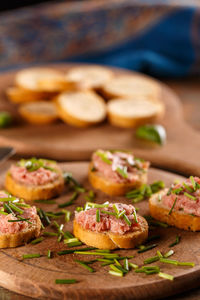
(129, 113)
(17, 239)
(130, 86)
(177, 218)
(109, 240)
(89, 77)
(18, 95)
(98, 181)
(81, 109)
(32, 192)
(32, 78)
(39, 112)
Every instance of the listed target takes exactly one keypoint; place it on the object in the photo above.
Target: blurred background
(158, 37)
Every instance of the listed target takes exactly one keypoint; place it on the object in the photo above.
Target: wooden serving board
(36, 277)
(64, 142)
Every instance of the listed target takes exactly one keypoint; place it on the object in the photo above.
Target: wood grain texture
(63, 142)
(35, 277)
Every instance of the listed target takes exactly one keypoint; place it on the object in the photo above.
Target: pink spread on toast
(40, 176)
(87, 219)
(183, 202)
(121, 160)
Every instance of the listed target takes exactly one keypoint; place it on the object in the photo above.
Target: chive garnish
(193, 182)
(85, 265)
(120, 274)
(126, 219)
(115, 269)
(67, 214)
(187, 187)
(49, 254)
(172, 206)
(159, 254)
(15, 208)
(177, 191)
(189, 264)
(94, 205)
(134, 266)
(45, 201)
(151, 259)
(73, 250)
(65, 281)
(177, 241)
(169, 261)
(135, 216)
(116, 209)
(190, 196)
(146, 248)
(108, 212)
(68, 235)
(20, 220)
(166, 276)
(45, 217)
(98, 215)
(103, 157)
(122, 172)
(126, 265)
(8, 208)
(3, 212)
(33, 255)
(49, 233)
(37, 241)
(168, 254)
(70, 202)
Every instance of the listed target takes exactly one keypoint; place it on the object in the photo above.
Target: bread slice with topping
(35, 179)
(110, 230)
(178, 206)
(81, 109)
(117, 172)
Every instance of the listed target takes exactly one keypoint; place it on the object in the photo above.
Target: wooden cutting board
(36, 277)
(63, 142)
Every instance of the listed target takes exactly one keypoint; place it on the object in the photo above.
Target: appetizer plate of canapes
(113, 226)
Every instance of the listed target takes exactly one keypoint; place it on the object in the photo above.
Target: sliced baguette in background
(130, 113)
(81, 109)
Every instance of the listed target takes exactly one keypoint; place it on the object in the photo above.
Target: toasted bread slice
(33, 192)
(35, 79)
(178, 219)
(9, 240)
(112, 188)
(129, 113)
(81, 109)
(130, 86)
(18, 95)
(89, 77)
(42, 112)
(109, 240)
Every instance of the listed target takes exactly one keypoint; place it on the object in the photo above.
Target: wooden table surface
(189, 92)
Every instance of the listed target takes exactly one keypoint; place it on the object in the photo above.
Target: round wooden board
(36, 277)
(64, 142)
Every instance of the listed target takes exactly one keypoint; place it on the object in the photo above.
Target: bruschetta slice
(39, 113)
(89, 77)
(129, 113)
(81, 109)
(132, 86)
(19, 222)
(117, 172)
(179, 205)
(110, 226)
(34, 179)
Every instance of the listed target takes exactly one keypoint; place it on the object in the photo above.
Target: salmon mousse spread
(15, 214)
(117, 218)
(34, 171)
(119, 166)
(183, 197)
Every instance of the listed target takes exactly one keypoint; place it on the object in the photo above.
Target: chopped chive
(115, 268)
(122, 172)
(49, 254)
(168, 254)
(172, 206)
(169, 261)
(124, 271)
(187, 187)
(126, 219)
(98, 215)
(85, 266)
(139, 271)
(70, 202)
(146, 248)
(15, 208)
(108, 212)
(45, 217)
(148, 268)
(33, 255)
(193, 182)
(116, 262)
(159, 254)
(177, 191)
(190, 196)
(150, 272)
(20, 220)
(105, 260)
(67, 215)
(151, 259)
(3, 212)
(68, 235)
(103, 157)
(166, 276)
(116, 209)
(121, 213)
(74, 250)
(115, 273)
(177, 241)
(126, 265)
(94, 205)
(37, 241)
(65, 281)
(134, 266)
(45, 201)
(135, 216)
(22, 205)
(49, 233)
(68, 178)
(8, 209)
(189, 264)
(103, 250)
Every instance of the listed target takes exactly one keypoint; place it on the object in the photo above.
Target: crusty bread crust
(98, 181)
(177, 218)
(109, 240)
(31, 192)
(20, 238)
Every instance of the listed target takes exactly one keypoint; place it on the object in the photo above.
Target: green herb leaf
(172, 206)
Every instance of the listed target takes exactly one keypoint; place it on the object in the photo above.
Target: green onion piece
(37, 241)
(20, 220)
(134, 266)
(187, 187)
(67, 214)
(190, 196)
(168, 254)
(45, 217)
(49, 233)
(105, 260)
(74, 250)
(126, 219)
(166, 276)
(70, 202)
(149, 268)
(122, 172)
(126, 265)
(22, 205)
(15, 208)
(33, 255)
(150, 272)
(189, 264)
(135, 216)
(117, 263)
(98, 215)
(108, 212)
(177, 241)
(68, 235)
(94, 205)
(193, 182)
(65, 281)
(146, 248)
(84, 265)
(8, 208)
(153, 133)
(177, 191)
(115, 273)
(103, 250)
(169, 261)
(45, 201)
(3, 212)
(103, 157)
(151, 259)
(116, 209)
(159, 254)
(95, 253)
(49, 254)
(172, 206)
(115, 268)
(121, 214)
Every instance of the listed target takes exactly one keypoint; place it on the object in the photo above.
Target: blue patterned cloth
(158, 37)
